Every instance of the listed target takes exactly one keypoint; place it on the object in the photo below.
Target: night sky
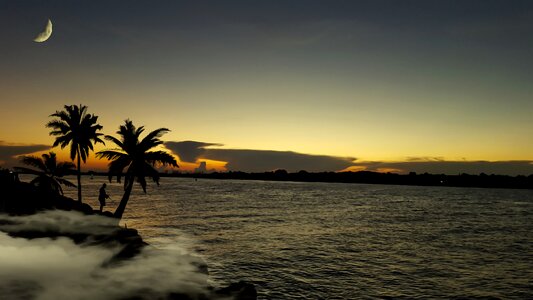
(316, 85)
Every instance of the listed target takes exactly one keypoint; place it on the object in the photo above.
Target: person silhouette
(102, 196)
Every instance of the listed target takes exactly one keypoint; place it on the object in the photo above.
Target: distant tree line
(460, 180)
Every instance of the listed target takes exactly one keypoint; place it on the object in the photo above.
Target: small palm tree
(134, 155)
(49, 172)
(75, 127)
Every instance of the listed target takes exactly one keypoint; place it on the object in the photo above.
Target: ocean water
(342, 241)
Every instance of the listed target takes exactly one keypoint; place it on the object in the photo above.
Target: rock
(19, 198)
(107, 214)
(131, 241)
(241, 290)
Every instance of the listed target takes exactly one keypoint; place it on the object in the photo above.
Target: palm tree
(76, 127)
(134, 155)
(50, 172)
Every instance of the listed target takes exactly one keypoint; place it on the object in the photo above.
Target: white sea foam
(45, 268)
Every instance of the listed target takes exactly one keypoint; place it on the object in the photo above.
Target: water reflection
(317, 240)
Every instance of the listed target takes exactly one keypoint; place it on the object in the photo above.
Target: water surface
(342, 241)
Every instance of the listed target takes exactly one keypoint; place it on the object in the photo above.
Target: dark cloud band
(438, 166)
(189, 151)
(267, 160)
(9, 152)
(258, 160)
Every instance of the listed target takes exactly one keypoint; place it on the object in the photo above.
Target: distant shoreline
(367, 177)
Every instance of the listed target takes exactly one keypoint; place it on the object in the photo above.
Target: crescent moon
(43, 36)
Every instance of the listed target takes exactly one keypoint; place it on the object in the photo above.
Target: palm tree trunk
(124, 201)
(79, 175)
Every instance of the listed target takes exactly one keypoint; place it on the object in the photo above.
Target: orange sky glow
(346, 82)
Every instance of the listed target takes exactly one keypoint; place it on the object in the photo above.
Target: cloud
(423, 158)
(45, 268)
(440, 166)
(9, 152)
(258, 160)
(266, 160)
(202, 168)
(189, 151)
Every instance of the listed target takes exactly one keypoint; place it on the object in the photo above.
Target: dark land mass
(367, 177)
(462, 180)
(21, 198)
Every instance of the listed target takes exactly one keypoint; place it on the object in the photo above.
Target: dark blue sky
(376, 80)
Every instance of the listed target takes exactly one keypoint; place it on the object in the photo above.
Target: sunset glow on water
(349, 241)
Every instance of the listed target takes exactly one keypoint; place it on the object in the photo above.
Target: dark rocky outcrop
(22, 198)
(239, 291)
(19, 199)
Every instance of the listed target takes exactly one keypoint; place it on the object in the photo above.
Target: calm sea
(342, 241)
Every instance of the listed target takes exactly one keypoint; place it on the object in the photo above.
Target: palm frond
(27, 170)
(150, 171)
(58, 188)
(84, 152)
(117, 166)
(114, 140)
(65, 168)
(73, 151)
(34, 161)
(37, 181)
(65, 182)
(63, 140)
(152, 139)
(160, 158)
(142, 181)
(110, 154)
(50, 161)
(62, 115)
(60, 127)
(136, 157)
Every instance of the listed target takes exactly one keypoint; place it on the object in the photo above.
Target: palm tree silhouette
(50, 172)
(136, 157)
(76, 127)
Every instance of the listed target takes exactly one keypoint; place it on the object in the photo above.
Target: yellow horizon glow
(296, 120)
(101, 165)
(357, 135)
(328, 96)
(95, 164)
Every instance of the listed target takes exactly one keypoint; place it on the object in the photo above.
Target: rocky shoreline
(22, 201)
